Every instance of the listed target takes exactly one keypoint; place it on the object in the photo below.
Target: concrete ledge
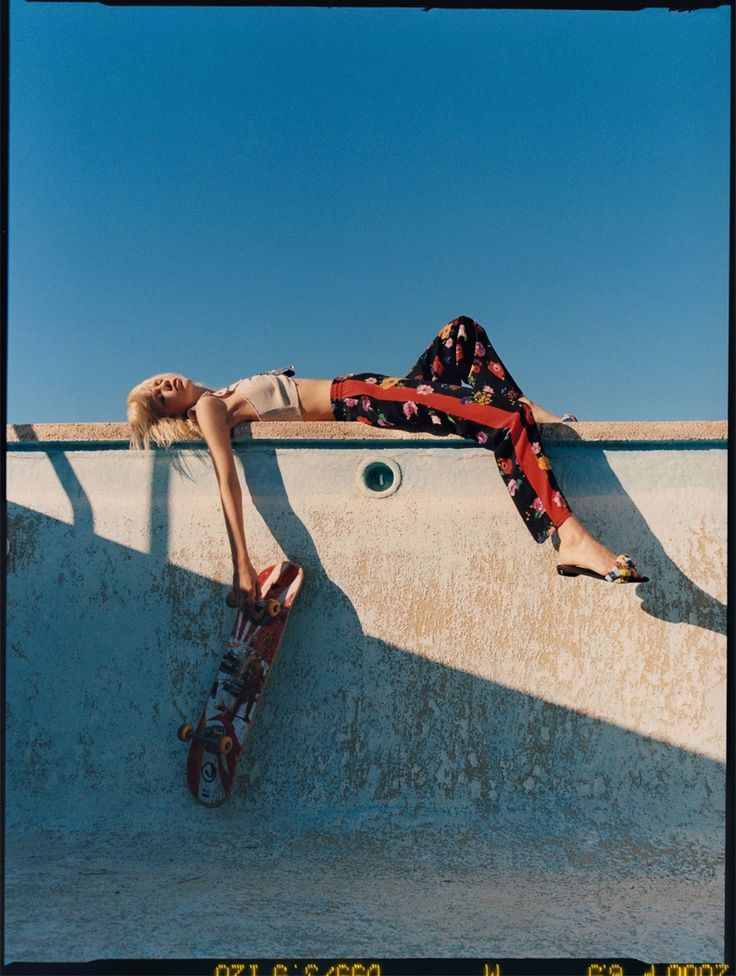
(659, 430)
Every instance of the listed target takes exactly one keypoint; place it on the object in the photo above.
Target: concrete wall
(436, 670)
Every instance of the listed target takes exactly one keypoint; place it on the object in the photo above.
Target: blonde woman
(489, 410)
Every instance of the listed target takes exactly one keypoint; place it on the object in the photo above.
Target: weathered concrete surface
(459, 753)
(663, 430)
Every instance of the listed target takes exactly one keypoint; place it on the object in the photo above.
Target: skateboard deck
(216, 744)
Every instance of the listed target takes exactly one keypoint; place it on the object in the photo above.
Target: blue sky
(219, 191)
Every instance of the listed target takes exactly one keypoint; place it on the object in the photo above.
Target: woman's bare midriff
(314, 397)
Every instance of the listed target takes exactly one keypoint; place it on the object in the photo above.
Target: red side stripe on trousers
(480, 413)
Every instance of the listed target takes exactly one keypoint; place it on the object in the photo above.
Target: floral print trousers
(432, 398)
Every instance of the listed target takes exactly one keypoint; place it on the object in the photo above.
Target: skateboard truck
(214, 738)
(265, 610)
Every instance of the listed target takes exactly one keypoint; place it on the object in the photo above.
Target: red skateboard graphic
(217, 742)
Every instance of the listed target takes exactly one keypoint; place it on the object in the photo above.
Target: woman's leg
(462, 353)
(508, 430)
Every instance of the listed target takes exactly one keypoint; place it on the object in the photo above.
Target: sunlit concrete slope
(539, 762)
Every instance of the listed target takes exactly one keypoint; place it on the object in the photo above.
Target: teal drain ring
(379, 478)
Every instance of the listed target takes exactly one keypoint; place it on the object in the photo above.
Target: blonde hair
(146, 425)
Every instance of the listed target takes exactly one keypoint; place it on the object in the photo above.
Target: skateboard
(216, 744)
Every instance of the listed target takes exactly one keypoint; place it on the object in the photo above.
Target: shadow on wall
(109, 649)
(670, 594)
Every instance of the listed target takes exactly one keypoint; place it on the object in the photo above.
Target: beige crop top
(272, 395)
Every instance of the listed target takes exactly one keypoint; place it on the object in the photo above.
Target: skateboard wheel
(272, 608)
(231, 600)
(185, 732)
(226, 744)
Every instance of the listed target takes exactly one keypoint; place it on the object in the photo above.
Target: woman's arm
(212, 420)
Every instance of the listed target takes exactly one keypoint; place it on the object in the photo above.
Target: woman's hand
(246, 588)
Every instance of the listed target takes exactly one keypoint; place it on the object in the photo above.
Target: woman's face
(171, 394)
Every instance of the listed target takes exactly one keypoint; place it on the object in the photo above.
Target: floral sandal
(622, 571)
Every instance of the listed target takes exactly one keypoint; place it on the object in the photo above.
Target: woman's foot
(579, 548)
(542, 416)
